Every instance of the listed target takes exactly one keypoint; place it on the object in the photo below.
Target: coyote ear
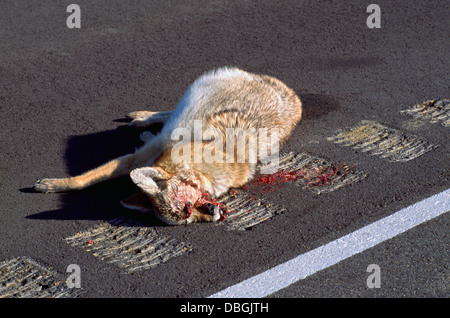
(144, 179)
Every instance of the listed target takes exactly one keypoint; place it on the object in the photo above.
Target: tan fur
(224, 98)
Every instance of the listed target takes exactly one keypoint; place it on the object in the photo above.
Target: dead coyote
(175, 186)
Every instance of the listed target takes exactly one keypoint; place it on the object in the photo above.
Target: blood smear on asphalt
(309, 176)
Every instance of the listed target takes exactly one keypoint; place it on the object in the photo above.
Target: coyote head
(175, 199)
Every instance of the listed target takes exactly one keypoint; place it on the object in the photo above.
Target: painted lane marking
(129, 244)
(318, 174)
(378, 139)
(310, 172)
(247, 211)
(304, 265)
(434, 111)
(22, 277)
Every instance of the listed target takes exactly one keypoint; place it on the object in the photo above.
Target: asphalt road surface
(64, 93)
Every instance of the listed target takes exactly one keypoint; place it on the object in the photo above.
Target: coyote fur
(221, 99)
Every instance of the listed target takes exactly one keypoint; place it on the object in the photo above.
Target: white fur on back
(191, 105)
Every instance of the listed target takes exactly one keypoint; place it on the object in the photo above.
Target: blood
(206, 200)
(311, 176)
(203, 203)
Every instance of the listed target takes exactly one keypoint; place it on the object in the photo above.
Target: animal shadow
(101, 201)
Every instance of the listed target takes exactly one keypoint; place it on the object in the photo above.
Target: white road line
(330, 254)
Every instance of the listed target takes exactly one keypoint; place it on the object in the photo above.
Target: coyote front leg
(113, 169)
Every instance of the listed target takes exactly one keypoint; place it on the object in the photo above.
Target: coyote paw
(139, 115)
(49, 185)
(143, 119)
(138, 123)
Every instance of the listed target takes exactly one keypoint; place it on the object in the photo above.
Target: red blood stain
(311, 176)
(203, 202)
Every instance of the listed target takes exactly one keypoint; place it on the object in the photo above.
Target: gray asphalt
(64, 93)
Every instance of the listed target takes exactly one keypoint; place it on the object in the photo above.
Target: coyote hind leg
(143, 119)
